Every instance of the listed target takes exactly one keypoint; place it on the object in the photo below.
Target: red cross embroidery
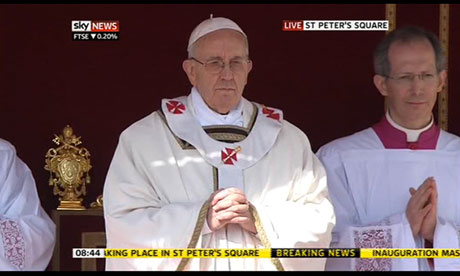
(229, 155)
(175, 107)
(271, 113)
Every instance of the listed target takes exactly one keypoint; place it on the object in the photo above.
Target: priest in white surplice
(397, 183)
(27, 234)
(214, 170)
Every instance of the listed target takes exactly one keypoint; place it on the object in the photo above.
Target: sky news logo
(335, 25)
(95, 30)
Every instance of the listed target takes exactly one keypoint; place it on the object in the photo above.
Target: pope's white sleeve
(27, 234)
(137, 217)
(349, 232)
(305, 219)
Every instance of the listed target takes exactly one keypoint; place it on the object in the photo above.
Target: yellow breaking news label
(315, 253)
(266, 253)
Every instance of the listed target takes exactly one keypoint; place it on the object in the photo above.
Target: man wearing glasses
(397, 183)
(214, 170)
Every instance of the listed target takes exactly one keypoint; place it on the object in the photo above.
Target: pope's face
(222, 91)
(413, 83)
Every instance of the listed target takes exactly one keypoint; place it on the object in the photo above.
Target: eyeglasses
(408, 79)
(216, 66)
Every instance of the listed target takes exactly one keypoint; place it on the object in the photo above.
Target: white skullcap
(211, 25)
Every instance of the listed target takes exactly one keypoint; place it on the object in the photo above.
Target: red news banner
(335, 25)
(95, 30)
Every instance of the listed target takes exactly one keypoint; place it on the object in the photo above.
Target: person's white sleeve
(446, 235)
(305, 219)
(137, 217)
(392, 232)
(27, 234)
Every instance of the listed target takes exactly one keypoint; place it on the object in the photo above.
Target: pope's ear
(381, 84)
(250, 65)
(189, 69)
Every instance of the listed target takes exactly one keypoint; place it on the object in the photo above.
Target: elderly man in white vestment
(397, 183)
(214, 170)
(27, 234)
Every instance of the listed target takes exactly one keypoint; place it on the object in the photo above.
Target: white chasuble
(166, 166)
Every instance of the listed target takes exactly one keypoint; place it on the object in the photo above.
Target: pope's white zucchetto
(211, 25)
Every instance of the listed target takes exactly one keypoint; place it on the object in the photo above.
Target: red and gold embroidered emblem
(175, 107)
(230, 155)
(270, 113)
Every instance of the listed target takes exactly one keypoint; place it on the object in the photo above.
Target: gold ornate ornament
(98, 204)
(68, 165)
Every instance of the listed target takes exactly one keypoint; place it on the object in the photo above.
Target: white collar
(412, 134)
(207, 116)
